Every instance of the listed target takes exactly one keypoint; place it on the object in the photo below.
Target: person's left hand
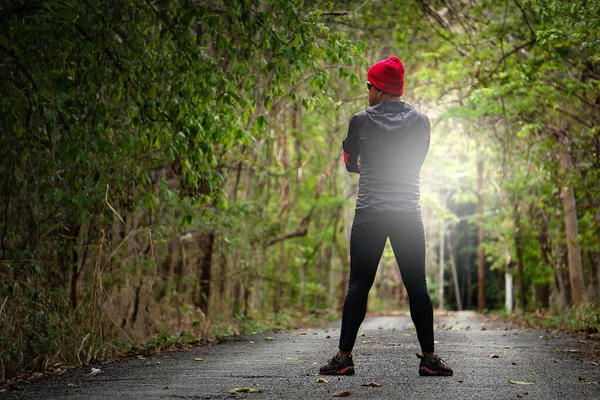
(358, 162)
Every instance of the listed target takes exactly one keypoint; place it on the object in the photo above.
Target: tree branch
(428, 9)
(344, 12)
(289, 235)
(575, 117)
(15, 59)
(456, 46)
(526, 19)
(506, 55)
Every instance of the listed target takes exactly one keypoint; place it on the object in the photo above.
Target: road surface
(486, 357)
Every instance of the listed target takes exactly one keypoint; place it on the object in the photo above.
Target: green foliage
(133, 133)
(111, 111)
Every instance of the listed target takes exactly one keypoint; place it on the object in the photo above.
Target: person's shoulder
(421, 115)
(415, 110)
(359, 117)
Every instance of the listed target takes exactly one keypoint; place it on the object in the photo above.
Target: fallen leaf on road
(344, 393)
(290, 359)
(371, 384)
(269, 338)
(406, 334)
(587, 381)
(483, 328)
(520, 382)
(494, 356)
(72, 385)
(322, 380)
(362, 334)
(198, 359)
(301, 333)
(594, 363)
(95, 371)
(436, 342)
(252, 341)
(141, 357)
(244, 390)
(460, 381)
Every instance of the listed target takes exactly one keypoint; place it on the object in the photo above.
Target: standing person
(387, 144)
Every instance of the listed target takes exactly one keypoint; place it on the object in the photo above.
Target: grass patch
(576, 319)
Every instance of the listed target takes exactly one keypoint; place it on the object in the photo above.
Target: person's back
(393, 139)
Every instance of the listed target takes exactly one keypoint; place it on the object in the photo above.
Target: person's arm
(351, 147)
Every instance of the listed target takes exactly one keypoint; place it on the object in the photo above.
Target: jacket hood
(394, 118)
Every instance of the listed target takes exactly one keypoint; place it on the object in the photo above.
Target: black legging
(367, 241)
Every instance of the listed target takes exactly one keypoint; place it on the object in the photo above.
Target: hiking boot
(433, 366)
(343, 366)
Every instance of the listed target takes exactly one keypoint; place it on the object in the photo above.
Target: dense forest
(171, 171)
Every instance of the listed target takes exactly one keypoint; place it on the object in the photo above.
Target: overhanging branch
(289, 235)
(344, 12)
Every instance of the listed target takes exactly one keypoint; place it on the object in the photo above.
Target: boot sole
(424, 371)
(345, 371)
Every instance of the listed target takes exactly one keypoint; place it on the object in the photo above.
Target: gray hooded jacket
(392, 139)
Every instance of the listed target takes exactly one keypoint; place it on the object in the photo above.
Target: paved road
(558, 366)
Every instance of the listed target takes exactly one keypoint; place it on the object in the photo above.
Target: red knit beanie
(388, 76)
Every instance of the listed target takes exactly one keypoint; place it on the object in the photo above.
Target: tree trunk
(344, 260)
(236, 294)
(469, 284)
(508, 283)
(207, 245)
(136, 302)
(332, 269)
(542, 295)
(519, 248)
(567, 197)
(75, 269)
(74, 278)
(452, 251)
(480, 253)
(66, 256)
(278, 278)
(598, 262)
(543, 239)
(441, 262)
